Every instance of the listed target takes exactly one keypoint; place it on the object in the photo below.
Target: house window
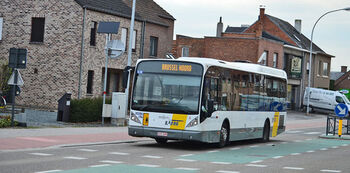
(153, 46)
(185, 52)
(38, 28)
(275, 60)
(124, 37)
(93, 33)
(1, 21)
(325, 69)
(134, 41)
(90, 81)
(320, 68)
(263, 58)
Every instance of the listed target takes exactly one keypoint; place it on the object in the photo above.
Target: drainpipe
(143, 29)
(302, 84)
(82, 54)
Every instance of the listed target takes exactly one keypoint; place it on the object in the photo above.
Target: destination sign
(173, 67)
(176, 67)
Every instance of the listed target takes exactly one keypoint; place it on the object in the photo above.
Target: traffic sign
(19, 82)
(276, 106)
(341, 110)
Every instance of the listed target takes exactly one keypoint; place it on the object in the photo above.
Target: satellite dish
(115, 48)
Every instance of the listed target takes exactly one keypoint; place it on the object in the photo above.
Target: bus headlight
(133, 117)
(192, 123)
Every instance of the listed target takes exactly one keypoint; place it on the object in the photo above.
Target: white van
(322, 100)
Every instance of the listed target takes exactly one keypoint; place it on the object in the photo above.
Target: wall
(165, 37)
(195, 45)
(94, 56)
(56, 60)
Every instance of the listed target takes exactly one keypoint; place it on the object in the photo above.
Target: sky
(198, 18)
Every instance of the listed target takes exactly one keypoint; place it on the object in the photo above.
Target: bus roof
(247, 67)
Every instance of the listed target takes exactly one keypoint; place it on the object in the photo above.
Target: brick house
(269, 41)
(63, 45)
(340, 80)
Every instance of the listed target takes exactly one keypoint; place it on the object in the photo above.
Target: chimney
(344, 69)
(219, 28)
(260, 28)
(297, 25)
(262, 11)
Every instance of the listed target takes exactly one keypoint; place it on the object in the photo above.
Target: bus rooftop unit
(207, 100)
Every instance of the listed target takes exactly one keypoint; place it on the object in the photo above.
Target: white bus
(207, 100)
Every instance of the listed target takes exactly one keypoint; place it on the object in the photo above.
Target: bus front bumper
(206, 136)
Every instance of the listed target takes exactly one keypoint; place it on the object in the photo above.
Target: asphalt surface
(299, 149)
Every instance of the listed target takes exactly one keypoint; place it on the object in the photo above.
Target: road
(296, 150)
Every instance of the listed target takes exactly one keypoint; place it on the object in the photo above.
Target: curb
(343, 137)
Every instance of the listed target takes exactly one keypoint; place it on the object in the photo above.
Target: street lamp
(310, 58)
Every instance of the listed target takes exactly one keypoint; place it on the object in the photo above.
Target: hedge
(86, 110)
(5, 121)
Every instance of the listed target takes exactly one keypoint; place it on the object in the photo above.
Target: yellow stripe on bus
(275, 124)
(145, 119)
(178, 121)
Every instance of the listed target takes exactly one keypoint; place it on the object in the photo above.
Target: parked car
(322, 100)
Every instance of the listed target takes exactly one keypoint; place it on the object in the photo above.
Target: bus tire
(161, 140)
(224, 135)
(266, 132)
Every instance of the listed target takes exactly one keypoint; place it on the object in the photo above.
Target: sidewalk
(29, 138)
(14, 139)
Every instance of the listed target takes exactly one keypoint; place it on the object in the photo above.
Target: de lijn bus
(207, 100)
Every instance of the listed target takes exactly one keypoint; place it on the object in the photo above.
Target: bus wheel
(161, 140)
(224, 132)
(266, 132)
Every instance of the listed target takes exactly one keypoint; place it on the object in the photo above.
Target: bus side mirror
(210, 106)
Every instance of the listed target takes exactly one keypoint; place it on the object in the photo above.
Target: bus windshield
(166, 92)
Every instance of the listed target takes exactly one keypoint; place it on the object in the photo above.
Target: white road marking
(110, 161)
(254, 146)
(293, 168)
(152, 157)
(284, 142)
(88, 150)
(257, 161)
(118, 153)
(236, 148)
(96, 166)
(295, 131)
(311, 151)
(335, 147)
(295, 154)
(323, 149)
(308, 139)
(255, 165)
(326, 170)
(221, 171)
(41, 154)
(57, 170)
(312, 133)
(277, 157)
(147, 165)
(186, 160)
(186, 155)
(188, 169)
(345, 145)
(221, 163)
(298, 141)
(214, 151)
(75, 158)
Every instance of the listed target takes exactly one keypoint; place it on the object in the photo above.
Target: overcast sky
(198, 18)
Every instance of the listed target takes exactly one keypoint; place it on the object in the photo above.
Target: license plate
(162, 134)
